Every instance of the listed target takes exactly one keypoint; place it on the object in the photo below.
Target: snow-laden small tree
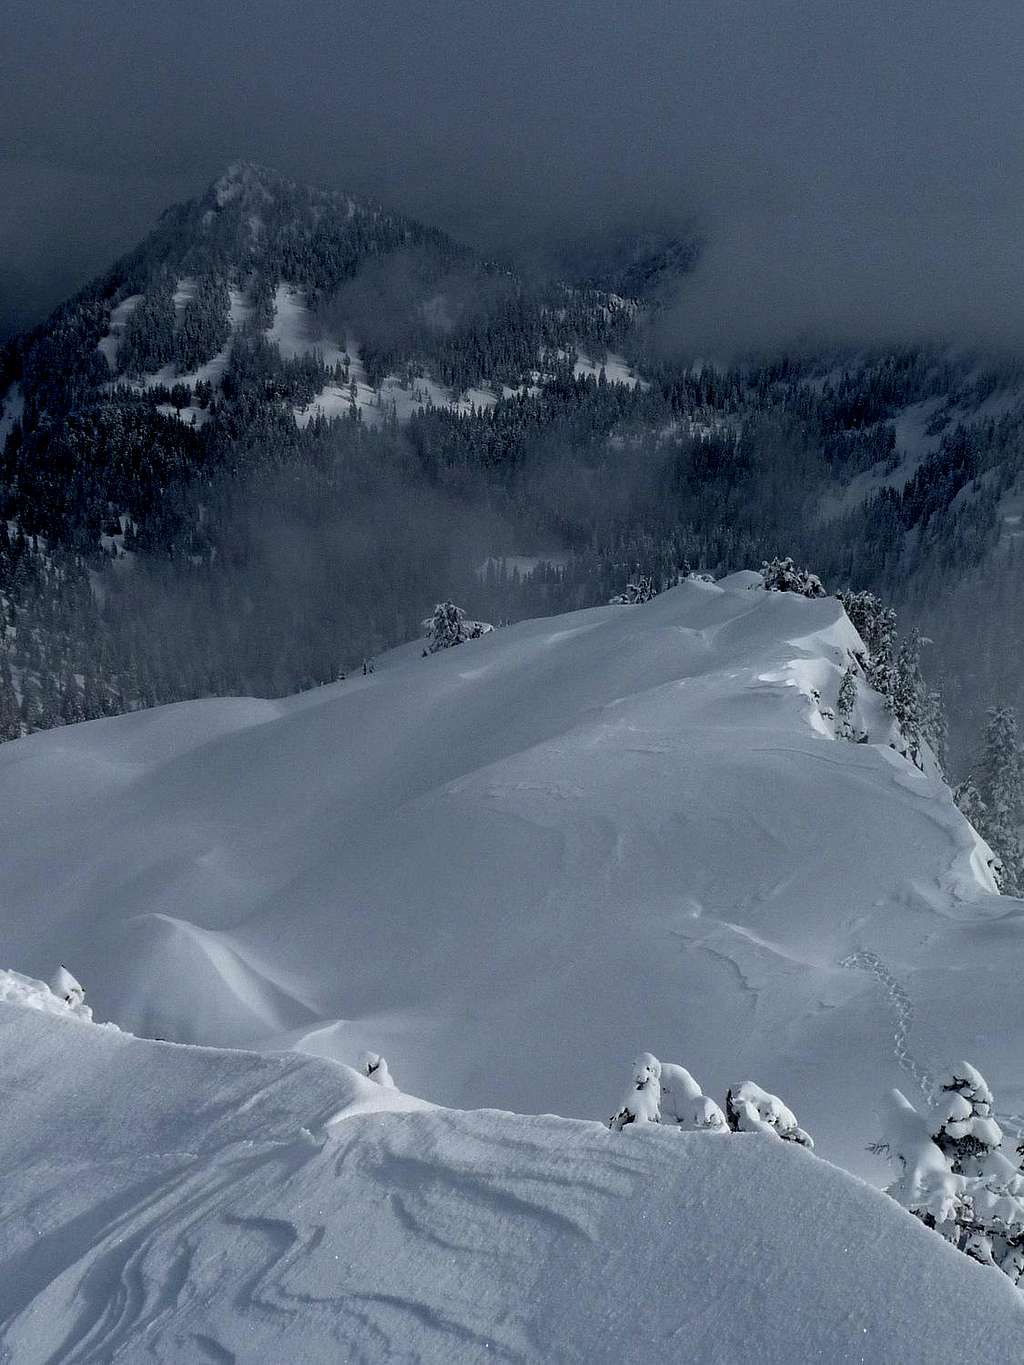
(749, 1109)
(642, 1103)
(845, 702)
(684, 1103)
(448, 627)
(782, 575)
(642, 590)
(375, 1066)
(963, 1112)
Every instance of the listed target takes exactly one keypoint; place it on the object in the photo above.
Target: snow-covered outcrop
(684, 1103)
(169, 1204)
(509, 866)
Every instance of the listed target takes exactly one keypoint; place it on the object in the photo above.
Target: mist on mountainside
(854, 172)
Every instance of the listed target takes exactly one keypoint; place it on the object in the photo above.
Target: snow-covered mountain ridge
(512, 864)
(169, 1203)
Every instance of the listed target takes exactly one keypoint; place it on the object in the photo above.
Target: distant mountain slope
(272, 436)
(511, 865)
(171, 1204)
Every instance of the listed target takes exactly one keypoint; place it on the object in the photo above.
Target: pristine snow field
(511, 866)
(173, 1204)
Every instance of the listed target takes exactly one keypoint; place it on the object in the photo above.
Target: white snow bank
(181, 1204)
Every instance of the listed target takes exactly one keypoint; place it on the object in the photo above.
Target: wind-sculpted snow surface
(171, 1204)
(512, 865)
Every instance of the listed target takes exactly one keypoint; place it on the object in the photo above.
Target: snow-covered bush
(448, 627)
(782, 575)
(749, 1109)
(642, 1103)
(642, 590)
(65, 987)
(375, 1066)
(684, 1103)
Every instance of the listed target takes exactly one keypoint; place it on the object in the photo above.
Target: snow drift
(168, 1203)
(510, 866)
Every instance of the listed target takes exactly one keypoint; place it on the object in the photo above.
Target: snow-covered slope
(511, 866)
(173, 1204)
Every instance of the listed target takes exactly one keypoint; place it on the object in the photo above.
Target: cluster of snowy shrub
(448, 627)
(662, 1092)
(953, 1173)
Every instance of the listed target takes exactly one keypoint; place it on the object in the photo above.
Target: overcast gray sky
(858, 168)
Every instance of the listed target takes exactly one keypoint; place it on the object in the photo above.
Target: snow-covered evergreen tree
(749, 1109)
(992, 798)
(642, 590)
(642, 1103)
(954, 1174)
(967, 1134)
(893, 668)
(916, 709)
(845, 702)
(876, 626)
(925, 1184)
(782, 575)
(448, 627)
(971, 804)
(10, 719)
